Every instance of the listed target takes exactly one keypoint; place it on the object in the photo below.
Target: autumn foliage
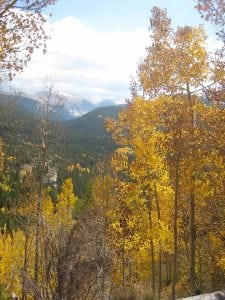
(170, 164)
(22, 30)
(151, 225)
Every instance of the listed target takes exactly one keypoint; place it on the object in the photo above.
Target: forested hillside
(126, 201)
(83, 136)
(88, 136)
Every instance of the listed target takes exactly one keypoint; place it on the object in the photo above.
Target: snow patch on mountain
(77, 106)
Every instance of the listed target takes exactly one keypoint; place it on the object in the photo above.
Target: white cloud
(85, 61)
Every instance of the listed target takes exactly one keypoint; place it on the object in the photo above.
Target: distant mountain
(32, 106)
(20, 103)
(82, 140)
(107, 102)
(75, 106)
(79, 107)
(93, 122)
(83, 106)
(88, 136)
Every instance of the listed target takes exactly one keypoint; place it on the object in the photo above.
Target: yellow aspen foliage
(175, 57)
(66, 202)
(18, 249)
(152, 137)
(11, 262)
(48, 209)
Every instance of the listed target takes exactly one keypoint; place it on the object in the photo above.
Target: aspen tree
(176, 61)
(22, 30)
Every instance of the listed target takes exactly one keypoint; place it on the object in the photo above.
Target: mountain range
(75, 106)
(80, 138)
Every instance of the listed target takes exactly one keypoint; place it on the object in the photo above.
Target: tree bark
(24, 294)
(160, 247)
(192, 238)
(175, 254)
(192, 230)
(152, 249)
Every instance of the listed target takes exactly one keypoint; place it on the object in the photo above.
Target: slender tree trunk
(24, 294)
(152, 250)
(37, 244)
(160, 247)
(123, 265)
(60, 280)
(160, 271)
(168, 271)
(192, 234)
(175, 250)
(192, 230)
(50, 103)
(212, 264)
(39, 211)
(200, 268)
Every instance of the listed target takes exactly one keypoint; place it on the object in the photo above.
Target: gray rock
(212, 296)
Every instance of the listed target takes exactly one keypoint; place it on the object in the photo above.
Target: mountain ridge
(83, 139)
(76, 105)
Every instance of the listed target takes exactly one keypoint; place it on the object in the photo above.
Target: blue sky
(95, 45)
(108, 15)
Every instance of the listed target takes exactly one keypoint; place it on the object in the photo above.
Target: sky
(96, 45)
